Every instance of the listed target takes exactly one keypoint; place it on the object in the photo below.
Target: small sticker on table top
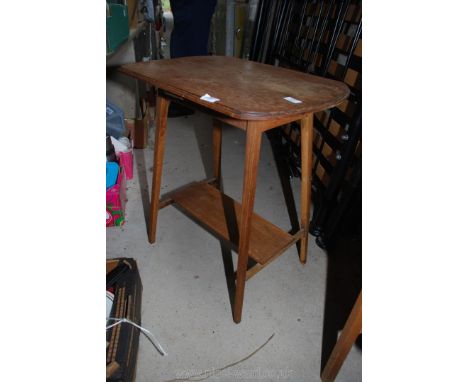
(292, 100)
(209, 98)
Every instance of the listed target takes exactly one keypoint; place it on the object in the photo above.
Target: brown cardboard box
(139, 127)
(132, 13)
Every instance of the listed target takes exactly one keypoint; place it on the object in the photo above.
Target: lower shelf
(221, 215)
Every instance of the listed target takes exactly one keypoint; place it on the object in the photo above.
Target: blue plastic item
(148, 10)
(112, 171)
(115, 124)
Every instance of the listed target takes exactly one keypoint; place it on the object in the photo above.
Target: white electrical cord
(211, 372)
(146, 332)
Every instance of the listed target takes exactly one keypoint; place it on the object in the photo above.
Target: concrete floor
(185, 296)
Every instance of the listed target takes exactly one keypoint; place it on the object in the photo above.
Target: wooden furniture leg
(217, 142)
(252, 154)
(162, 106)
(351, 331)
(111, 369)
(306, 181)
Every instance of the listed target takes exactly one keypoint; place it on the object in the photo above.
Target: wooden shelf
(220, 214)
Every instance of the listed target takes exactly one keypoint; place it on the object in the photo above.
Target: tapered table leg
(306, 181)
(252, 154)
(162, 105)
(217, 143)
(351, 331)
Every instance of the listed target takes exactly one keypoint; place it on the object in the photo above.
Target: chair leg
(217, 143)
(306, 181)
(252, 155)
(162, 106)
(351, 331)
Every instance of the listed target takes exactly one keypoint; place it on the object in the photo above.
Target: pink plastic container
(126, 161)
(115, 201)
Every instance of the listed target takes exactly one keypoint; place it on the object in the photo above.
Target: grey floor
(185, 296)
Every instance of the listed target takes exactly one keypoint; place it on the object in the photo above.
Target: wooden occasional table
(252, 98)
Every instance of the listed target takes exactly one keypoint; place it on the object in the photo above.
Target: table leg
(351, 331)
(252, 154)
(306, 181)
(217, 142)
(162, 106)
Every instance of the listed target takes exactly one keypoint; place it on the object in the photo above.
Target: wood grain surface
(246, 90)
(222, 216)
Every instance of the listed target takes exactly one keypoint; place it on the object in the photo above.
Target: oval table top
(246, 90)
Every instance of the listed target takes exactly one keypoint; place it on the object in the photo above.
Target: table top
(246, 90)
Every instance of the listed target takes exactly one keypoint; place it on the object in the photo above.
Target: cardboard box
(133, 13)
(139, 127)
